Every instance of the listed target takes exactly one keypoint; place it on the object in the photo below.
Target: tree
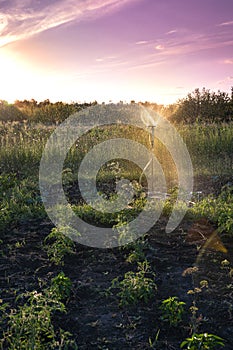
(204, 106)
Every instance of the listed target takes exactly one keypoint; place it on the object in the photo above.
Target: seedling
(30, 325)
(172, 311)
(136, 287)
(203, 341)
(60, 287)
(57, 246)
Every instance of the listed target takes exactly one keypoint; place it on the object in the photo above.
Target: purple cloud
(23, 18)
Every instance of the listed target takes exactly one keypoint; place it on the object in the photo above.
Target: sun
(11, 74)
(19, 79)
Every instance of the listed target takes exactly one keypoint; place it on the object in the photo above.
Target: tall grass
(210, 148)
(21, 146)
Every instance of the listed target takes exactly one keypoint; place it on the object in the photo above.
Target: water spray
(151, 161)
(152, 143)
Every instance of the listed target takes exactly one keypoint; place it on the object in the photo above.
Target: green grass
(22, 144)
(210, 147)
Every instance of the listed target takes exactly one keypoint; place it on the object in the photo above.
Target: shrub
(172, 311)
(60, 287)
(135, 286)
(30, 326)
(203, 341)
(57, 245)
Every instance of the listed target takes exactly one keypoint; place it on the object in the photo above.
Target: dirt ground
(95, 318)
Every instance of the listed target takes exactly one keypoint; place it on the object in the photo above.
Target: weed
(203, 341)
(60, 287)
(153, 343)
(137, 253)
(19, 244)
(30, 326)
(136, 287)
(57, 245)
(217, 209)
(172, 311)
(195, 319)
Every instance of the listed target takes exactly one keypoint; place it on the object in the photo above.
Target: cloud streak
(21, 19)
(228, 61)
(169, 48)
(229, 23)
(227, 80)
(188, 43)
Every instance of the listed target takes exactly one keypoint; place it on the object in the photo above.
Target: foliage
(19, 201)
(57, 246)
(136, 287)
(153, 343)
(30, 325)
(210, 147)
(44, 111)
(114, 219)
(172, 311)
(217, 209)
(22, 143)
(203, 341)
(204, 106)
(60, 287)
(137, 254)
(9, 112)
(7, 181)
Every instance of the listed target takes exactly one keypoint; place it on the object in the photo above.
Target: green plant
(57, 245)
(3, 307)
(135, 286)
(195, 319)
(172, 311)
(153, 343)
(217, 209)
(137, 253)
(203, 341)
(30, 326)
(20, 244)
(60, 287)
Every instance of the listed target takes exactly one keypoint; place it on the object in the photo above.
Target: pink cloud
(20, 20)
(228, 61)
(229, 23)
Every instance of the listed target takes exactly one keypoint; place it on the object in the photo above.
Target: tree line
(44, 112)
(204, 106)
(198, 106)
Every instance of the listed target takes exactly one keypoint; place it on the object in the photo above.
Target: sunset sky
(86, 50)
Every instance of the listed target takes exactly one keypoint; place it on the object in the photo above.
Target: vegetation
(31, 249)
(172, 311)
(203, 342)
(217, 209)
(33, 111)
(136, 286)
(60, 287)
(198, 106)
(205, 106)
(30, 325)
(57, 246)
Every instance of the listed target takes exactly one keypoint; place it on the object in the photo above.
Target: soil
(94, 316)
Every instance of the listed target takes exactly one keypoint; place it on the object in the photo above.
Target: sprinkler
(152, 136)
(152, 142)
(151, 161)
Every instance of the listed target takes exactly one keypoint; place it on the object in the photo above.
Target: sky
(114, 50)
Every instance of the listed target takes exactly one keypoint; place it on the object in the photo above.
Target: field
(151, 294)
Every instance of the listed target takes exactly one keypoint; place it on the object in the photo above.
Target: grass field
(151, 294)
(210, 146)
